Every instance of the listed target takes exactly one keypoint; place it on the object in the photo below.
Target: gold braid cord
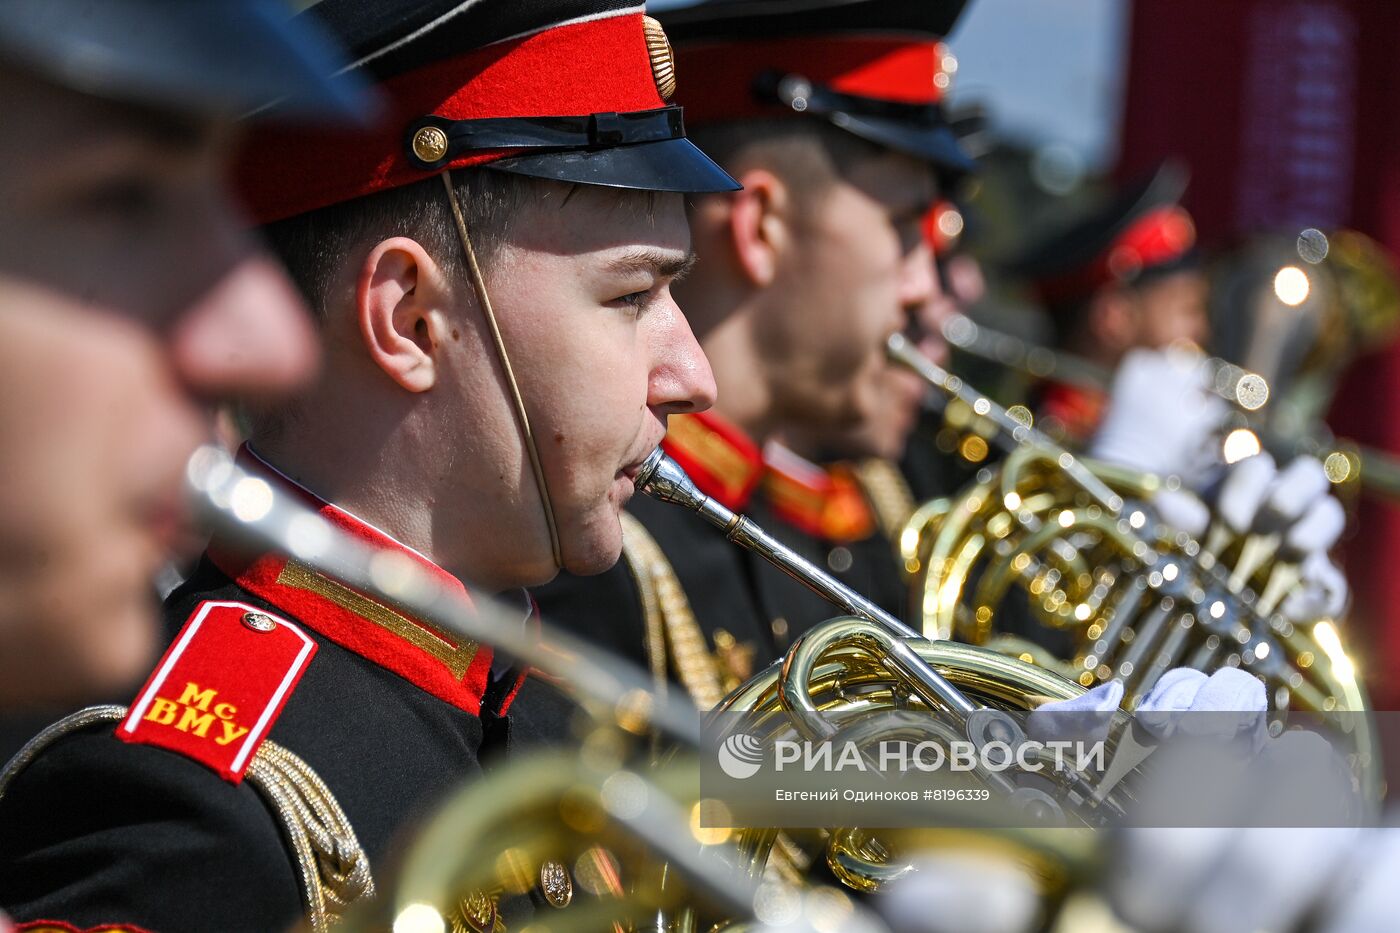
(333, 869)
(52, 733)
(484, 299)
(673, 634)
(671, 628)
(888, 493)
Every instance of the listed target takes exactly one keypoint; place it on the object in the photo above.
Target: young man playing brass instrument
(827, 113)
(491, 271)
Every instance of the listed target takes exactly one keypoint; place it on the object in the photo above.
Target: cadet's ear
(759, 224)
(398, 302)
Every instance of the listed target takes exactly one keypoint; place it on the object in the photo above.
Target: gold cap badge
(663, 60)
(430, 143)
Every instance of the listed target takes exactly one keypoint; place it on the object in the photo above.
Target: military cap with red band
(877, 68)
(1138, 233)
(572, 90)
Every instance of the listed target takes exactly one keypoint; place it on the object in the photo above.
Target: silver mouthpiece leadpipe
(247, 512)
(1016, 433)
(1234, 384)
(662, 478)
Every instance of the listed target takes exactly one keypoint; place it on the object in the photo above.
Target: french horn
(869, 661)
(1082, 548)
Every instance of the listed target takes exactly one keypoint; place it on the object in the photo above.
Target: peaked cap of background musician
(211, 56)
(1135, 234)
(947, 223)
(876, 68)
(570, 90)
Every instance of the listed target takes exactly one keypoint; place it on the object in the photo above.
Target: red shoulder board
(220, 687)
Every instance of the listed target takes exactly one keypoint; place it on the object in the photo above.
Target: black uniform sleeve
(98, 831)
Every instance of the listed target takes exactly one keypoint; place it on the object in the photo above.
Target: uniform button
(430, 144)
(259, 621)
(839, 559)
(555, 884)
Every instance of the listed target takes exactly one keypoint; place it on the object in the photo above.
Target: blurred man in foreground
(130, 296)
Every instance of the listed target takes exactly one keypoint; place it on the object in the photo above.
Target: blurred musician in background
(1124, 275)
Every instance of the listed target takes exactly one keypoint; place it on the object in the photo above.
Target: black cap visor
(931, 142)
(918, 130)
(661, 165)
(217, 56)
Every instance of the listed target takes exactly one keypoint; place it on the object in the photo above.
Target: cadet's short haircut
(316, 246)
(807, 154)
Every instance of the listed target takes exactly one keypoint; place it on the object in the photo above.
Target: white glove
(1290, 517)
(1228, 690)
(1321, 592)
(1161, 416)
(1222, 879)
(962, 891)
(1318, 528)
(1363, 898)
(1232, 876)
(1180, 689)
(1182, 510)
(1243, 491)
(1293, 492)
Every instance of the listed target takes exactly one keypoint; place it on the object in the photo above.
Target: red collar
(824, 502)
(718, 455)
(444, 665)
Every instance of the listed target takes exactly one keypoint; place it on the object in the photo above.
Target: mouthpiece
(662, 478)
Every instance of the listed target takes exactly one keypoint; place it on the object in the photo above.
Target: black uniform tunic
(101, 831)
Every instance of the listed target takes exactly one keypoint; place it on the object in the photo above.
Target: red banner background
(1288, 114)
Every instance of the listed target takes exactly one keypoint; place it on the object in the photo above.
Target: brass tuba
(1082, 548)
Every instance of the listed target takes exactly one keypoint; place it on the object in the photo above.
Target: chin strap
(484, 299)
